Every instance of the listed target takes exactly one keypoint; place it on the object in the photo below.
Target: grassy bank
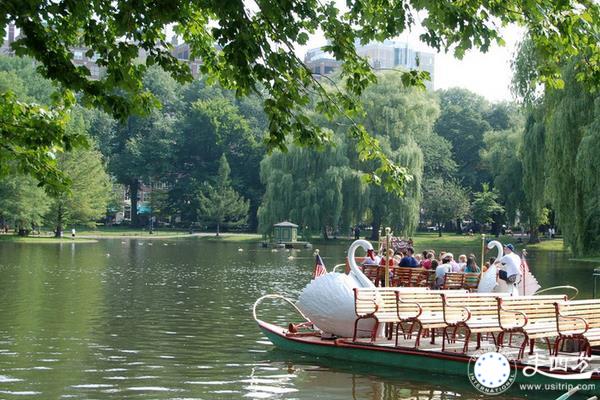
(233, 237)
(43, 239)
(549, 245)
(119, 232)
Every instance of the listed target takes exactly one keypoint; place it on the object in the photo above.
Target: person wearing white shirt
(511, 271)
(441, 271)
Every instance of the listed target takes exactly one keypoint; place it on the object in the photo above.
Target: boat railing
(275, 296)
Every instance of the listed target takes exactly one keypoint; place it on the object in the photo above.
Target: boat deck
(541, 358)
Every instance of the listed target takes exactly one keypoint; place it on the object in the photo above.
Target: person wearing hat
(511, 271)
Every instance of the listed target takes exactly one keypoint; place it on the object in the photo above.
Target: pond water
(171, 319)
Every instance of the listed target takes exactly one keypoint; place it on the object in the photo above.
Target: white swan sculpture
(488, 279)
(488, 282)
(328, 300)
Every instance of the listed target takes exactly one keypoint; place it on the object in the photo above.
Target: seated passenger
(409, 260)
(471, 266)
(426, 263)
(441, 271)
(462, 263)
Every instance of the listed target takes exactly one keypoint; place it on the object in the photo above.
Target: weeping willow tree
(314, 189)
(533, 161)
(560, 162)
(561, 146)
(397, 116)
(571, 131)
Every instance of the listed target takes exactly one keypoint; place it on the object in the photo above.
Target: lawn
(43, 239)
(233, 237)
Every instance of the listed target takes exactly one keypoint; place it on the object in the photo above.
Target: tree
(310, 188)
(502, 159)
(398, 117)
(220, 203)
(444, 201)
(212, 125)
(251, 49)
(485, 207)
(31, 133)
(22, 203)
(463, 124)
(87, 198)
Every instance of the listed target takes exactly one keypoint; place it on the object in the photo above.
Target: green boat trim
(446, 363)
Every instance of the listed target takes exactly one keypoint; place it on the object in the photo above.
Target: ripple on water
(154, 389)
(8, 379)
(20, 393)
(92, 386)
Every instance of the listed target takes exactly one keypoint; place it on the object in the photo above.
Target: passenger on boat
(453, 262)
(471, 266)
(409, 260)
(511, 271)
(441, 271)
(426, 263)
(462, 263)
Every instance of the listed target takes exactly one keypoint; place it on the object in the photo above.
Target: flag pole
(387, 256)
(482, 255)
(315, 254)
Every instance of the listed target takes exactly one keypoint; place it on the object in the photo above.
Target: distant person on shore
(356, 233)
(73, 233)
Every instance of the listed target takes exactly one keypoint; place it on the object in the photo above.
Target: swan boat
(327, 307)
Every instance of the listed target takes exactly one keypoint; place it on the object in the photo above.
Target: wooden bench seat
(471, 281)
(382, 305)
(473, 312)
(410, 277)
(532, 316)
(578, 320)
(431, 315)
(453, 281)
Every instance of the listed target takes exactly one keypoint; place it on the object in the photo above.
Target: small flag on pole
(319, 267)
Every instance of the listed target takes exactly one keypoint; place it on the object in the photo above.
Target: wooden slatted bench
(431, 315)
(578, 320)
(453, 280)
(471, 281)
(474, 312)
(532, 316)
(410, 277)
(382, 305)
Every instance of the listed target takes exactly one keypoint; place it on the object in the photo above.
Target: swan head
(498, 246)
(361, 278)
(367, 246)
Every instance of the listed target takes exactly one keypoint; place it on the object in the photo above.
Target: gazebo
(285, 232)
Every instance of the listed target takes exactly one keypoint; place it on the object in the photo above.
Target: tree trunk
(459, 229)
(533, 234)
(218, 228)
(59, 221)
(375, 234)
(134, 187)
(439, 226)
(325, 235)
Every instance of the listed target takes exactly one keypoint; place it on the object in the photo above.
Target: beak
(371, 253)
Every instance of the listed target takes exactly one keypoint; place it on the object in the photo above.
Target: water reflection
(171, 319)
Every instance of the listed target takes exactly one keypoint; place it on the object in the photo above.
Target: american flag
(319, 267)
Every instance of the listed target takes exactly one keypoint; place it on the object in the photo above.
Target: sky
(488, 74)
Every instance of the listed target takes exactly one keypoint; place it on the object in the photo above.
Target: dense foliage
(250, 49)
